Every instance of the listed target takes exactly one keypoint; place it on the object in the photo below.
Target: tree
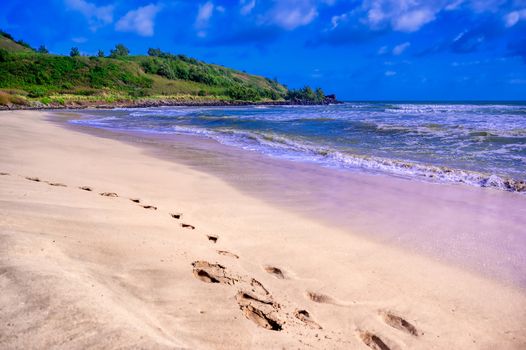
(42, 49)
(7, 35)
(74, 52)
(154, 52)
(119, 51)
(100, 53)
(24, 44)
(306, 95)
(320, 95)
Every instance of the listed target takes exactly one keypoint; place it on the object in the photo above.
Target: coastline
(143, 103)
(372, 199)
(116, 268)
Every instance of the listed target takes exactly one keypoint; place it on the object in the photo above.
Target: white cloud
(247, 6)
(403, 15)
(514, 17)
(383, 50)
(97, 16)
(413, 20)
(453, 5)
(375, 15)
(336, 20)
(293, 13)
(204, 13)
(399, 49)
(486, 5)
(411, 15)
(79, 39)
(140, 21)
(390, 73)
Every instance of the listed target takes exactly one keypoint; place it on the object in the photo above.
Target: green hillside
(42, 79)
(8, 43)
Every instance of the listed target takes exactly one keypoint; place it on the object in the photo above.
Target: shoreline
(162, 103)
(123, 273)
(263, 177)
(335, 158)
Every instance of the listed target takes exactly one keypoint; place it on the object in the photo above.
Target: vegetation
(74, 52)
(119, 51)
(42, 49)
(306, 94)
(32, 77)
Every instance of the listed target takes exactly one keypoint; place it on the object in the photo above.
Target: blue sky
(360, 50)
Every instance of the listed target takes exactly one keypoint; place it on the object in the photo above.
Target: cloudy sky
(358, 49)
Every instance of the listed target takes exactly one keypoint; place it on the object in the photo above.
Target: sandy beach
(105, 244)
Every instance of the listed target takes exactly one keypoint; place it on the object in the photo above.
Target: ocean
(479, 144)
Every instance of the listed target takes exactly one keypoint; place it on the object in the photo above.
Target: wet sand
(479, 229)
(108, 244)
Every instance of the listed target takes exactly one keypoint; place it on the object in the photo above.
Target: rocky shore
(144, 103)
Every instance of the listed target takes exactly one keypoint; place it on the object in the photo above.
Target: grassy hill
(41, 79)
(7, 42)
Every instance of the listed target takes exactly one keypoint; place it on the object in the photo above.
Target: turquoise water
(478, 144)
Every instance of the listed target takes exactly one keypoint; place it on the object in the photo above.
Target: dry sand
(79, 269)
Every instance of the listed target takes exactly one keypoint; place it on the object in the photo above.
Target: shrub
(306, 94)
(42, 49)
(119, 51)
(100, 53)
(138, 93)
(6, 35)
(24, 44)
(85, 92)
(74, 52)
(45, 100)
(7, 99)
(4, 55)
(166, 71)
(37, 92)
(154, 52)
(67, 85)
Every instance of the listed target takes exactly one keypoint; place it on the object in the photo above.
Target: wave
(278, 145)
(356, 136)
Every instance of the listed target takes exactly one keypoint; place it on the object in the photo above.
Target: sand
(103, 245)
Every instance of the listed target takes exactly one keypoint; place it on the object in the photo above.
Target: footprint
(373, 341)
(226, 253)
(109, 194)
(188, 226)
(135, 200)
(176, 215)
(321, 298)
(151, 207)
(58, 184)
(261, 312)
(36, 179)
(212, 273)
(4, 174)
(212, 238)
(399, 323)
(274, 271)
(86, 188)
(258, 288)
(305, 317)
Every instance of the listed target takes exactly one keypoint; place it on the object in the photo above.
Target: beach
(112, 241)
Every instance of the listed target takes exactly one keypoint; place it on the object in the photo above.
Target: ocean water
(480, 144)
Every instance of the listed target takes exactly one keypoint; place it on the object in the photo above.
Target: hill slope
(8, 43)
(42, 79)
